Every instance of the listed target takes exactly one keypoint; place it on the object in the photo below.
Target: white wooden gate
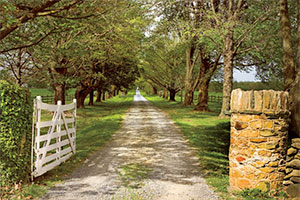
(53, 141)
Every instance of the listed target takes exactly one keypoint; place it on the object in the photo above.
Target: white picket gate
(53, 141)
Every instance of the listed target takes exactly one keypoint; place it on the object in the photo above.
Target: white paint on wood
(50, 149)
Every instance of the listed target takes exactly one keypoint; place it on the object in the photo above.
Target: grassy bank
(208, 134)
(95, 126)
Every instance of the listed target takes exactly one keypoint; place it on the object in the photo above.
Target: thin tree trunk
(91, 101)
(103, 95)
(288, 53)
(181, 95)
(98, 95)
(188, 82)
(228, 73)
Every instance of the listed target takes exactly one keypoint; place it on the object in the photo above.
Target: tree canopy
(106, 45)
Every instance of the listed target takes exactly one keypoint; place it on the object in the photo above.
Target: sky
(244, 76)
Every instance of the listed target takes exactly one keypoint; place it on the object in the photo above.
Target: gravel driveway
(147, 159)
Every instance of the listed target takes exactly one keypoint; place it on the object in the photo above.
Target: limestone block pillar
(258, 143)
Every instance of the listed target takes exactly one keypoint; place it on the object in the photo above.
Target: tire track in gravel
(147, 159)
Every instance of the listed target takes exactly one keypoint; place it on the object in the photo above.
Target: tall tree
(234, 21)
(288, 53)
(291, 73)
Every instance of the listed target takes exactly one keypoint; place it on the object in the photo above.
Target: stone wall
(259, 132)
(292, 171)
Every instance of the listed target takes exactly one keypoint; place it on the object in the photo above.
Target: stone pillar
(292, 170)
(258, 143)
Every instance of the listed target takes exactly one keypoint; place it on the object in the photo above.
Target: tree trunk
(189, 81)
(172, 94)
(80, 95)
(295, 90)
(108, 95)
(295, 107)
(202, 104)
(91, 102)
(188, 97)
(165, 95)
(59, 93)
(103, 95)
(99, 93)
(228, 73)
(154, 90)
(288, 53)
(58, 84)
(207, 70)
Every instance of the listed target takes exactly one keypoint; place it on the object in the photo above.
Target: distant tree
(163, 65)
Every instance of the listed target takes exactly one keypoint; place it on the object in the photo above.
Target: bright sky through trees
(244, 76)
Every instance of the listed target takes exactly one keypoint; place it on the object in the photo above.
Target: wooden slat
(55, 135)
(67, 107)
(49, 123)
(49, 158)
(45, 106)
(46, 168)
(56, 145)
(55, 155)
(66, 157)
(65, 151)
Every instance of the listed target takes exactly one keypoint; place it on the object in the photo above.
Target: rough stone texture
(293, 190)
(292, 171)
(269, 102)
(150, 143)
(258, 139)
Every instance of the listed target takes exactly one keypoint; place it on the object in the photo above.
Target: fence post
(259, 131)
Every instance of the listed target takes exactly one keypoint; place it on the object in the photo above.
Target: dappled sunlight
(147, 154)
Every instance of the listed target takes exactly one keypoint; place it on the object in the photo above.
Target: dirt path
(147, 159)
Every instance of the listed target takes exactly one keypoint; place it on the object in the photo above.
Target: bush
(15, 133)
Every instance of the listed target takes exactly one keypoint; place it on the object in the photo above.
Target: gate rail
(54, 141)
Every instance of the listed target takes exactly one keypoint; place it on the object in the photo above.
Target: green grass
(133, 174)
(95, 126)
(208, 134)
(46, 92)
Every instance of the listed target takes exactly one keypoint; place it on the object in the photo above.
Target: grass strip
(208, 134)
(95, 126)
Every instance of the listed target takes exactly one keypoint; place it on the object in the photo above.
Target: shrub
(15, 133)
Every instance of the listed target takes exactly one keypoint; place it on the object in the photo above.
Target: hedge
(15, 133)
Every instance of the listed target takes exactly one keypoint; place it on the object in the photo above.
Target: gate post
(258, 139)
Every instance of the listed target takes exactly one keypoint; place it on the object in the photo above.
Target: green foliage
(254, 194)
(15, 133)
